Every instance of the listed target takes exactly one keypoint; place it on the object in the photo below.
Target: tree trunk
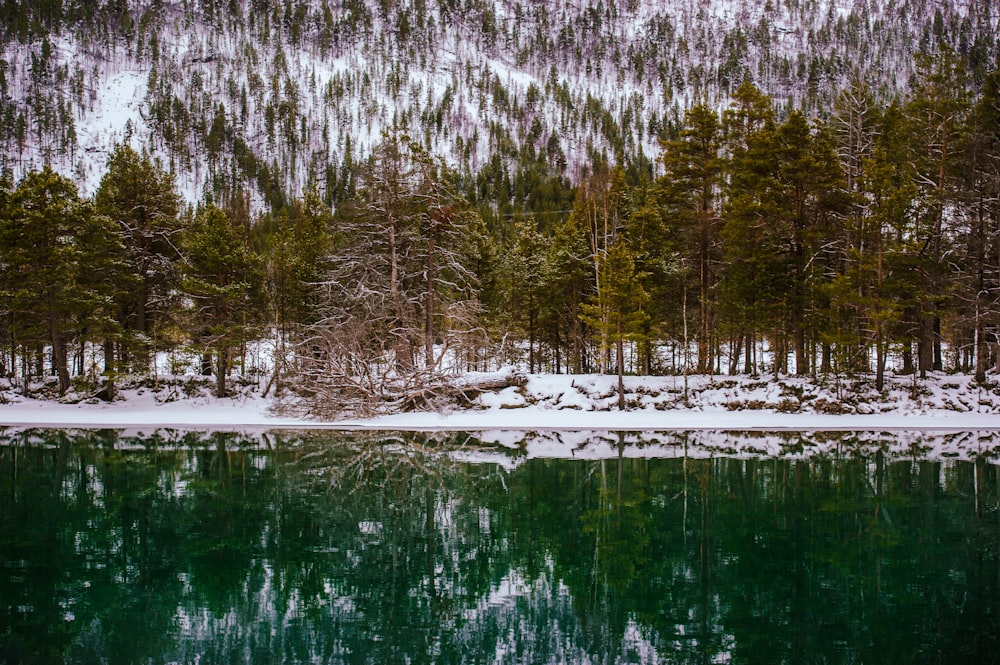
(59, 363)
(936, 344)
(59, 360)
(735, 348)
(429, 314)
(620, 360)
(531, 335)
(558, 355)
(801, 352)
(908, 358)
(749, 367)
(925, 344)
(221, 369)
(826, 361)
(879, 359)
(141, 354)
(981, 351)
(109, 357)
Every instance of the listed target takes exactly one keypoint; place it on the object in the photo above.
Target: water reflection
(378, 548)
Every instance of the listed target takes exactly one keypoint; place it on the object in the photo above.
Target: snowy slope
(241, 94)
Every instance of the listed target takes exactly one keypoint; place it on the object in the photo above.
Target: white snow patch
(567, 402)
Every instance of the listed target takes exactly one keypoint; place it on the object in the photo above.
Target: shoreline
(565, 403)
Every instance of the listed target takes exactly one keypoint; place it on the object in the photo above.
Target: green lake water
(393, 548)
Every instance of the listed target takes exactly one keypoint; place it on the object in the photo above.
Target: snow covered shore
(565, 402)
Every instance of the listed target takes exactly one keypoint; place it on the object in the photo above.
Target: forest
(856, 242)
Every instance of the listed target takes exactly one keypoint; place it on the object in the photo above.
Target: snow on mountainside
(265, 95)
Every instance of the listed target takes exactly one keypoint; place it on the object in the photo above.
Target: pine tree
(937, 110)
(895, 272)
(752, 288)
(980, 259)
(616, 310)
(602, 209)
(526, 272)
(690, 188)
(654, 243)
(223, 279)
(141, 199)
(55, 252)
(810, 197)
(297, 245)
(873, 285)
(569, 274)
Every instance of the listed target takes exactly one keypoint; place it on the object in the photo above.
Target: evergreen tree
(55, 252)
(616, 311)
(981, 265)
(756, 276)
(690, 186)
(569, 274)
(937, 110)
(223, 279)
(297, 245)
(873, 288)
(810, 197)
(602, 209)
(140, 198)
(654, 244)
(526, 272)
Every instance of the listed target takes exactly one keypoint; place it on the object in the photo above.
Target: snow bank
(568, 402)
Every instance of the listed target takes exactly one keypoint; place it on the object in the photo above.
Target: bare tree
(398, 303)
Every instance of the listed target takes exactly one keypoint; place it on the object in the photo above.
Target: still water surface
(390, 548)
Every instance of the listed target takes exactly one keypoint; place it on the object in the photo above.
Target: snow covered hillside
(266, 95)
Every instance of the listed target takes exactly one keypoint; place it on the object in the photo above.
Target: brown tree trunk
(221, 369)
(936, 343)
(429, 314)
(620, 360)
(109, 357)
(748, 363)
(981, 351)
(907, 354)
(879, 359)
(59, 363)
(736, 344)
(801, 353)
(925, 344)
(59, 360)
(531, 335)
(704, 277)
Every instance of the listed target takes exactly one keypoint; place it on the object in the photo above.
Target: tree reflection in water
(385, 547)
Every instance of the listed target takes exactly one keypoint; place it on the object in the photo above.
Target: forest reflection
(388, 547)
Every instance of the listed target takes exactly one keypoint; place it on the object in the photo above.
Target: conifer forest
(388, 194)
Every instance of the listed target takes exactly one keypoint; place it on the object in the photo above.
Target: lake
(545, 547)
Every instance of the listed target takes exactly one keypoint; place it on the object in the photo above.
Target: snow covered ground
(565, 402)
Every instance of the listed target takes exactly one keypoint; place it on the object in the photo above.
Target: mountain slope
(265, 95)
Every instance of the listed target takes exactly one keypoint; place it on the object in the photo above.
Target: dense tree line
(95, 287)
(790, 245)
(857, 242)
